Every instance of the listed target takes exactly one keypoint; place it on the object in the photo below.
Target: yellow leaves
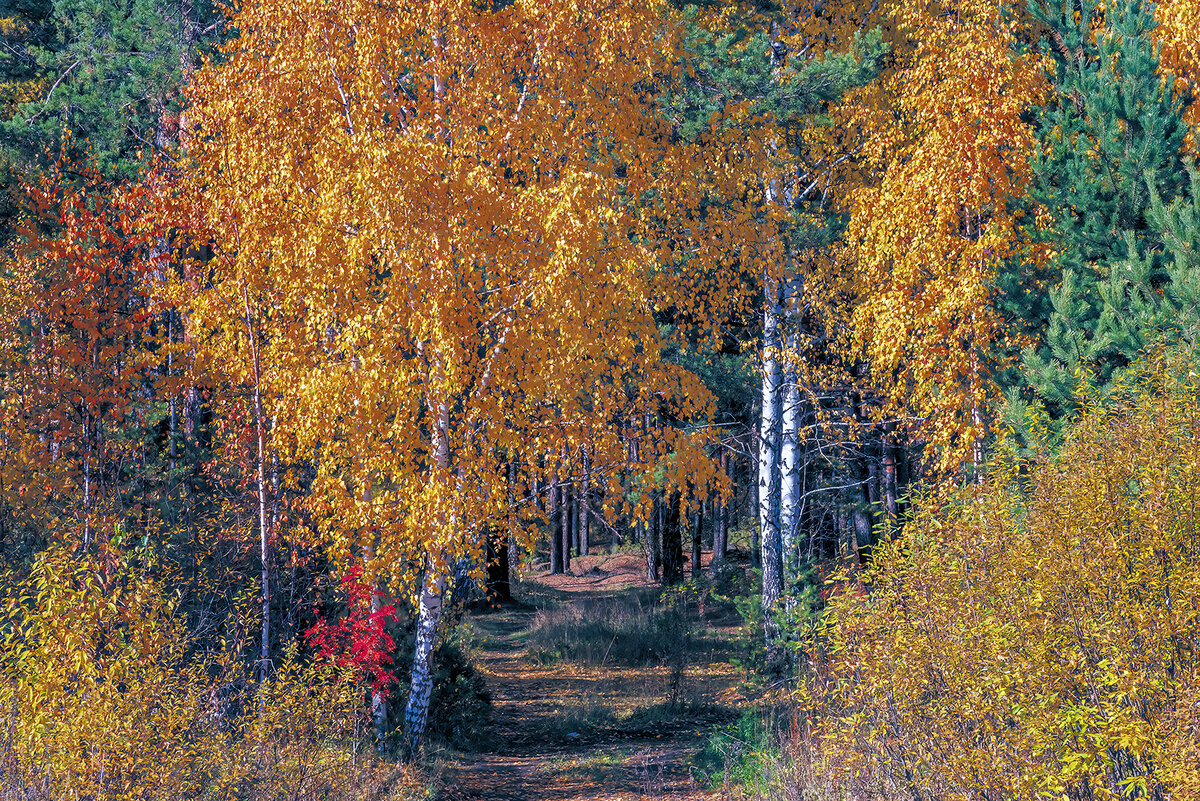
(1027, 634)
(1178, 22)
(431, 214)
(926, 240)
(105, 696)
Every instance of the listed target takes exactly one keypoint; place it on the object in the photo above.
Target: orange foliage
(75, 344)
(428, 217)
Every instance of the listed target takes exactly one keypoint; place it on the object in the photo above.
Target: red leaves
(359, 641)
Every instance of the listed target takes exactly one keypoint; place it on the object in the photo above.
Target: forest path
(568, 730)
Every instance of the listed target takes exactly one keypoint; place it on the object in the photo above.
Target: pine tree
(1112, 140)
(108, 72)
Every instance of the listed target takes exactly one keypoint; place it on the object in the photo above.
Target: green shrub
(742, 753)
(460, 706)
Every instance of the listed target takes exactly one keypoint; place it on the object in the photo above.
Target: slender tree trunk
(514, 552)
(720, 522)
(585, 528)
(873, 450)
(889, 478)
(173, 445)
(697, 530)
(583, 499)
(429, 614)
(790, 488)
(565, 515)
(576, 518)
(653, 535)
(556, 536)
(754, 470)
(977, 471)
(429, 610)
(260, 465)
(769, 452)
(87, 481)
(514, 562)
(720, 534)
(616, 537)
(378, 700)
(264, 543)
(379, 706)
(860, 510)
(672, 542)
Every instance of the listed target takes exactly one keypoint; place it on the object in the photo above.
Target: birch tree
(436, 203)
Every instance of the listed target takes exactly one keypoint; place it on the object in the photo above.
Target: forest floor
(564, 729)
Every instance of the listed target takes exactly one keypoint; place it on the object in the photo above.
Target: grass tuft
(635, 630)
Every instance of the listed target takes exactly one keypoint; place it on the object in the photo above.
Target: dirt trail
(569, 732)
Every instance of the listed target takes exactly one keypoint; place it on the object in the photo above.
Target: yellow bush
(1036, 636)
(104, 696)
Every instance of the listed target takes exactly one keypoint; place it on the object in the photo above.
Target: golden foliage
(947, 135)
(430, 252)
(1179, 34)
(1036, 636)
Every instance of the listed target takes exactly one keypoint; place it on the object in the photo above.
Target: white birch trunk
(768, 449)
(790, 484)
(429, 614)
(260, 459)
(789, 478)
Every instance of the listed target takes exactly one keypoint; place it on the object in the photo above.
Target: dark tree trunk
(576, 521)
(565, 515)
(904, 476)
(889, 477)
(872, 457)
(555, 519)
(653, 537)
(672, 542)
(584, 520)
(585, 498)
(697, 530)
(720, 534)
(514, 553)
(498, 587)
(733, 509)
(861, 530)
